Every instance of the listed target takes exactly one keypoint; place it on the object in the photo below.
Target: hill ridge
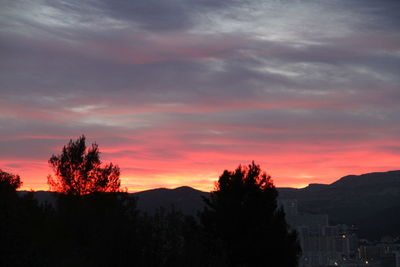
(371, 201)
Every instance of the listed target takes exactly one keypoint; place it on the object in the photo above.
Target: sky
(177, 91)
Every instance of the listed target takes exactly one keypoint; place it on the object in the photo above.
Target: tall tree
(244, 223)
(79, 171)
(94, 223)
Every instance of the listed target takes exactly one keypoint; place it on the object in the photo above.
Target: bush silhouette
(21, 224)
(97, 229)
(9, 181)
(94, 224)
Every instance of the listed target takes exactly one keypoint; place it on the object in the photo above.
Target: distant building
(322, 244)
(383, 254)
(337, 245)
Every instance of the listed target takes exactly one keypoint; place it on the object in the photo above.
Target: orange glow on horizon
(165, 159)
(175, 174)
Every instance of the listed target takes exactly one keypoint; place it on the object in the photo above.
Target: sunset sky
(176, 91)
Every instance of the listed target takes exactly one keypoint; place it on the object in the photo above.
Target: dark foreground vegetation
(95, 224)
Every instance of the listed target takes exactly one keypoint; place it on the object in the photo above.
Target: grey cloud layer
(169, 59)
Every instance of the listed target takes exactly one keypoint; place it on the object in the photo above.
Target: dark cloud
(23, 149)
(152, 15)
(380, 15)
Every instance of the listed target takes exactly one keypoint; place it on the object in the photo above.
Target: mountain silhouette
(184, 198)
(369, 201)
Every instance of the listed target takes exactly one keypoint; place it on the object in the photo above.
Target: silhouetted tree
(9, 181)
(21, 221)
(245, 225)
(94, 222)
(78, 170)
